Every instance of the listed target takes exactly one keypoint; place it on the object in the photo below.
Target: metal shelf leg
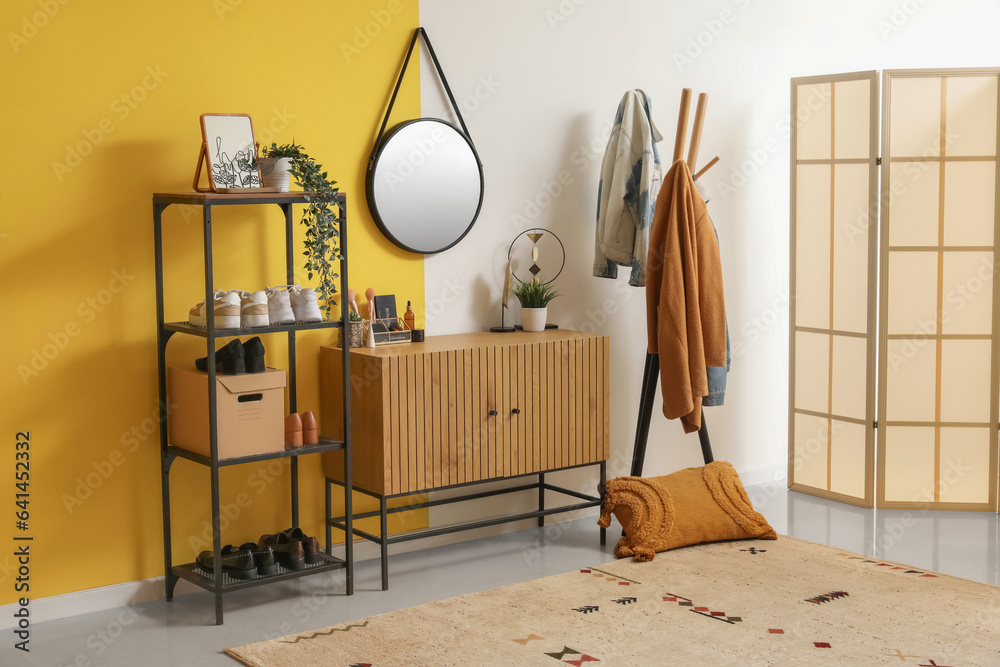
(541, 498)
(384, 543)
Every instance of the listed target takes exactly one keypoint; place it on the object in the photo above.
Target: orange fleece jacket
(685, 306)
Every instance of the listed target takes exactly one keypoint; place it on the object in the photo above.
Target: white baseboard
(89, 600)
(764, 474)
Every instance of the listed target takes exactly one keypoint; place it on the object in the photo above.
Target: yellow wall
(101, 109)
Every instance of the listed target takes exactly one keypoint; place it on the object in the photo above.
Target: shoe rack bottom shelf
(193, 573)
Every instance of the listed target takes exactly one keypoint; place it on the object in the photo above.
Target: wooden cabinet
(469, 407)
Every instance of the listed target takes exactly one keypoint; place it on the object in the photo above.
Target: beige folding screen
(938, 343)
(834, 185)
(929, 234)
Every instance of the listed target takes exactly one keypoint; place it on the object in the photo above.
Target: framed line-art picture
(229, 153)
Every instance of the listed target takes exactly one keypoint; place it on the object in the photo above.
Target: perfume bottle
(408, 318)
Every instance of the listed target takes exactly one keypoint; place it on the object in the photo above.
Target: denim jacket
(717, 375)
(626, 199)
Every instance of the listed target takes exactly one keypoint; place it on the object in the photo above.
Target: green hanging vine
(322, 245)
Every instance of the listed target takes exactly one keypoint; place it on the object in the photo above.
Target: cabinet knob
(516, 411)
(493, 413)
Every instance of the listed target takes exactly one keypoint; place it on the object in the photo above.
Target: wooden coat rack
(651, 370)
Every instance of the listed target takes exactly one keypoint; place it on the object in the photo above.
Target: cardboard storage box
(250, 409)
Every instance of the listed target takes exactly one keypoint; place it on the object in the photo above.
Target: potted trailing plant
(534, 297)
(276, 164)
(321, 223)
(320, 217)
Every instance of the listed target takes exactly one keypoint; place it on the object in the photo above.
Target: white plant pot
(533, 319)
(276, 172)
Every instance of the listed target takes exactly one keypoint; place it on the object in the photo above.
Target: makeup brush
(370, 295)
(351, 302)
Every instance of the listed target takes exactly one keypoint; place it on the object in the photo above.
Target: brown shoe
(293, 431)
(310, 428)
(287, 552)
(310, 545)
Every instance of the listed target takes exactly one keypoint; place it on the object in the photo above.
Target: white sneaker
(279, 308)
(304, 304)
(253, 309)
(226, 306)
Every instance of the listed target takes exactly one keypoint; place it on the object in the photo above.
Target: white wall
(549, 75)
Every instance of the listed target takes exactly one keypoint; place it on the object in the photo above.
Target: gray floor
(182, 632)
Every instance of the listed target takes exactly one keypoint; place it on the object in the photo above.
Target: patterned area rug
(733, 603)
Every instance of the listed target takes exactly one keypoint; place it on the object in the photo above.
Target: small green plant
(534, 294)
(292, 150)
(354, 317)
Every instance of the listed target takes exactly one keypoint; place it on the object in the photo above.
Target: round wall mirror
(425, 188)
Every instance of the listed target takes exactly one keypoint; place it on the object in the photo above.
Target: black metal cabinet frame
(217, 582)
(383, 539)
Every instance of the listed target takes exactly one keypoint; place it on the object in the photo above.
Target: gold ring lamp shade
(534, 254)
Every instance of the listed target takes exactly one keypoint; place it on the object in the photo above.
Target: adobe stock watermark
(741, 174)
(957, 298)
(485, 87)
(32, 24)
(550, 190)
(595, 319)
(307, 605)
(121, 107)
(908, 178)
(562, 12)
(451, 292)
(620, 462)
(101, 640)
(371, 30)
(815, 444)
(440, 139)
(953, 472)
(756, 326)
(88, 310)
(89, 481)
(223, 7)
(901, 14)
(259, 481)
(704, 39)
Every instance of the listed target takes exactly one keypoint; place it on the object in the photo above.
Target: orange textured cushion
(690, 506)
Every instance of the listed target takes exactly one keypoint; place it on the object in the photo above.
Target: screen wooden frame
(883, 471)
(868, 422)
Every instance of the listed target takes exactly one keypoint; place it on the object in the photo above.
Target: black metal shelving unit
(169, 453)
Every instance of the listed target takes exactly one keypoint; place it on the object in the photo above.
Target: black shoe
(253, 355)
(228, 360)
(287, 552)
(237, 563)
(263, 558)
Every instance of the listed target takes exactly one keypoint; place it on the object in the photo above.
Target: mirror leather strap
(399, 81)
